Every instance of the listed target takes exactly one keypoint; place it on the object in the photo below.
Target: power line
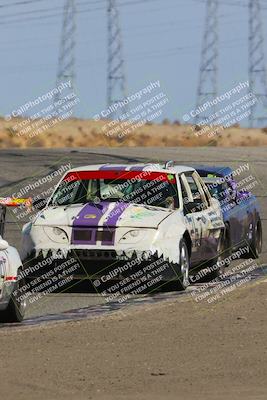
(18, 3)
(86, 10)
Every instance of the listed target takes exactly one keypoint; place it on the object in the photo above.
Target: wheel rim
(22, 303)
(184, 266)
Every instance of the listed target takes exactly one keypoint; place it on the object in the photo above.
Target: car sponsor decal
(119, 174)
(11, 278)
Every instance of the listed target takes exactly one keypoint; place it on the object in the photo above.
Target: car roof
(205, 170)
(176, 169)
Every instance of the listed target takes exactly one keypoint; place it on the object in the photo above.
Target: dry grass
(88, 133)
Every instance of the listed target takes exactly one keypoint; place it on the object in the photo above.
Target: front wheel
(183, 270)
(16, 308)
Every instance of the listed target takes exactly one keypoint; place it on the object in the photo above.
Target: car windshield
(139, 187)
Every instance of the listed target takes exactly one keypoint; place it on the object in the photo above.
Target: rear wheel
(255, 246)
(215, 267)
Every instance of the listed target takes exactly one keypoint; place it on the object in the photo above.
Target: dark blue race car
(240, 210)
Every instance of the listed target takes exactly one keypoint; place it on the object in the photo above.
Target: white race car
(106, 215)
(12, 303)
(12, 285)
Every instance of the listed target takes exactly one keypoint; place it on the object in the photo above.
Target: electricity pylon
(66, 63)
(207, 88)
(257, 66)
(116, 80)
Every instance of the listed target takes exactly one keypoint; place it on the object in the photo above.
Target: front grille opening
(105, 236)
(82, 234)
(95, 255)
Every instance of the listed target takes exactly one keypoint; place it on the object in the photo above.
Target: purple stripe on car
(113, 218)
(137, 168)
(88, 217)
(112, 168)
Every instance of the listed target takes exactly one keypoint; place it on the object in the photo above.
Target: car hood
(103, 214)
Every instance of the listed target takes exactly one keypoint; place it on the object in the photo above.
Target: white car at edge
(105, 214)
(12, 307)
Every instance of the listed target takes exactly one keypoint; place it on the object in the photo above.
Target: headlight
(56, 234)
(134, 236)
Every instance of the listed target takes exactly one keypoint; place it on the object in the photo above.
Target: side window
(200, 201)
(194, 188)
(205, 191)
(186, 191)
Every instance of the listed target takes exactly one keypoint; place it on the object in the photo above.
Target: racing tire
(255, 246)
(15, 310)
(182, 270)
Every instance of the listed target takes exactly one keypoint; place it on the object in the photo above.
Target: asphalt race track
(21, 167)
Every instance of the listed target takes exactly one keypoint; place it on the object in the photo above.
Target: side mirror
(233, 195)
(3, 244)
(39, 204)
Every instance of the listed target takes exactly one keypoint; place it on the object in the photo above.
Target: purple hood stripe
(115, 214)
(98, 210)
(81, 221)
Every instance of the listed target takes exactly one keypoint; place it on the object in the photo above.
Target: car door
(238, 217)
(207, 216)
(193, 221)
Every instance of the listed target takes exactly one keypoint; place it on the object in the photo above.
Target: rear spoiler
(11, 202)
(15, 202)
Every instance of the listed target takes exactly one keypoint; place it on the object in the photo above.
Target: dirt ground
(76, 132)
(171, 350)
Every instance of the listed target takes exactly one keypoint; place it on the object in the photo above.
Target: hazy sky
(161, 38)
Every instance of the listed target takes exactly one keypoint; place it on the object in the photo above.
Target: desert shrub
(166, 121)
(198, 128)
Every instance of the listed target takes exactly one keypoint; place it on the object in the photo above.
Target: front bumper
(97, 263)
